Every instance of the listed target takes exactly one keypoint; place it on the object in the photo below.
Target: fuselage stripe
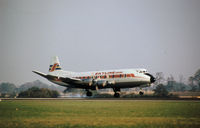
(107, 76)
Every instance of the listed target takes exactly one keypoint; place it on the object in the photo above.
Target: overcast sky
(159, 35)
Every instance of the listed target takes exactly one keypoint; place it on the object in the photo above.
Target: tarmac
(109, 99)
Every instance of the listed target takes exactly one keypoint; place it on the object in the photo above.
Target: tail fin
(55, 64)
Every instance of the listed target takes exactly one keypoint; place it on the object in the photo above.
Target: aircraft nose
(152, 79)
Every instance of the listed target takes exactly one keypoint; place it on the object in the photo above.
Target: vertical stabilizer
(55, 64)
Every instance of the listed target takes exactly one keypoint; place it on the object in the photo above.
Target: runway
(108, 99)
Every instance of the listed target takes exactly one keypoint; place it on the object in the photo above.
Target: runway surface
(109, 99)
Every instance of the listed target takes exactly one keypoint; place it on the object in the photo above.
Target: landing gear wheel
(116, 95)
(89, 93)
(117, 92)
(141, 93)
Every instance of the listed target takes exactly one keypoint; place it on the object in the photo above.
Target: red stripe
(53, 67)
(109, 76)
(132, 75)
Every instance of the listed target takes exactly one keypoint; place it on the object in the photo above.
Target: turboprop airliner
(94, 80)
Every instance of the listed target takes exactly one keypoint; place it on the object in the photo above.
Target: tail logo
(54, 67)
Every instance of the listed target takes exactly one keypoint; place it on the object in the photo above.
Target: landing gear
(88, 93)
(117, 92)
(117, 95)
(141, 93)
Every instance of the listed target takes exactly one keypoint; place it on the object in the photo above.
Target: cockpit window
(142, 71)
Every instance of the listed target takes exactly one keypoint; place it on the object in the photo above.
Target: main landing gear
(117, 92)
(141, 93)
(88, 93)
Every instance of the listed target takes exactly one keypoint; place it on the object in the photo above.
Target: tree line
(163, 87)
(36, 92)
(30, 89)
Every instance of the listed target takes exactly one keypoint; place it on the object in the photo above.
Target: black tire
(116, 95)
(89, 93)
(141, 93)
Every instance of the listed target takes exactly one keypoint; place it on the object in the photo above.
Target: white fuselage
(121, 78)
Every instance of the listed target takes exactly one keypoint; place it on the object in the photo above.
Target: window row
(107, 76)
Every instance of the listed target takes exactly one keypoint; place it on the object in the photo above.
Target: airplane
(94, 80)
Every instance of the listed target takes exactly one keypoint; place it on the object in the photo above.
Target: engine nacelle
(102, 83)
(88, 82)
(99, 83)
(111, 82)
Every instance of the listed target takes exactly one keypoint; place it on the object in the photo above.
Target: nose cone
(152, 79)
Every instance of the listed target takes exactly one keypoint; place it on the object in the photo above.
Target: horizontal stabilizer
(52, 77)
(40, 73)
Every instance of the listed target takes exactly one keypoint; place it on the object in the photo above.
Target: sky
(158, 35)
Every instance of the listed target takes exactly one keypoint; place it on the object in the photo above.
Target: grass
(99, 114)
